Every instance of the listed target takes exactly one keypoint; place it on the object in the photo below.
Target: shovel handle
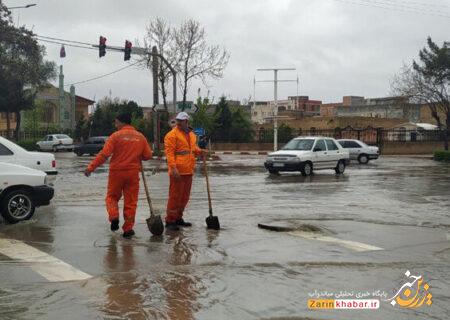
(147, 193)
(207, 186)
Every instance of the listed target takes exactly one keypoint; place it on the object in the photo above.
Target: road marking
(353, 245)
(51, 268)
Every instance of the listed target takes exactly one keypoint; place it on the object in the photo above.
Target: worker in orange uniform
(128, 148)
(181, 148)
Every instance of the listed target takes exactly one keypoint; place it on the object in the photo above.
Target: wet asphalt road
(399, 205)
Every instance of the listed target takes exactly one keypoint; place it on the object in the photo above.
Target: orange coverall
(181, 149)
(128, 148)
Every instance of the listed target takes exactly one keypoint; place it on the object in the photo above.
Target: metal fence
(371, 136)
(33, 135)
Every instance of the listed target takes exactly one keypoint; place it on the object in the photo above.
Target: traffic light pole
(143, 52)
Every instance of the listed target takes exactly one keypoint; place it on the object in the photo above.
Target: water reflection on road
(240, 272)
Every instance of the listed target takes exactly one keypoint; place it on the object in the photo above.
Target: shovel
(154, 223)
(212, 222)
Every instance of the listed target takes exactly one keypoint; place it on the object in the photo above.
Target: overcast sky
(339, 47)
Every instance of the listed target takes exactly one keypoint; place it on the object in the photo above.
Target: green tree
(427, 81)
(203, 118)
(102, 120)
(223, 121)
(285, 133)
(22, 68)
(241, 126)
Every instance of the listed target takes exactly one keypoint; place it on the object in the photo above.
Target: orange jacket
(128, 148)
(179, 152)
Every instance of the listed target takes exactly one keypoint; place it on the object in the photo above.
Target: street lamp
(22, 7)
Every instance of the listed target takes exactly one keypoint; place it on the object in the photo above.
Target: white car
(306, 154)
(359, 150)
(22, 189)
(56, 142)
(12, 153)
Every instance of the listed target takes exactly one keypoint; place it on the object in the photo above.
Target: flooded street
(364, 230)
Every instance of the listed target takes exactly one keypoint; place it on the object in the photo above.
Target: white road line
(353, 245)
(51, 268)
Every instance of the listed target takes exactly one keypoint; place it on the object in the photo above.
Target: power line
(391, 6)
(104, 75)
(420, 3)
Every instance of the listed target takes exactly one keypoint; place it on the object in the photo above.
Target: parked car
(91, 146)
(306, 154)
(13, 153)
(22, 189)
(359, 150)
(56, 142)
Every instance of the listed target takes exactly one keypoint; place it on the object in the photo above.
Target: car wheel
(363, 159)
(17, 206)
(340, 168)
(272, 171)
(79, 153)
(307, 169)
(92, 154)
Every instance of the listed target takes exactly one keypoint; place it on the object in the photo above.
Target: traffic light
(127, 50)
(102, 46)
(62, 52)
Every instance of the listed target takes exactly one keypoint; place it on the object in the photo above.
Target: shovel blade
(212, 222)
(155, 225)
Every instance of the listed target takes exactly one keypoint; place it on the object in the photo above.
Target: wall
(394, 148)
(339, 122)
(406, 111)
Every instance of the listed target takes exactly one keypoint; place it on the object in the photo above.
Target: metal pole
(174, 76)
(254, 94)
(275, 122)
(155, 67)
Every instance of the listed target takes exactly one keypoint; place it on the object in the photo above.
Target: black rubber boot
(114, 224)
(128, 234)
(183, 223)
(172, 226)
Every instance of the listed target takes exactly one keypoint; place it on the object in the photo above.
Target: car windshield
(61, 136)
(299, 144)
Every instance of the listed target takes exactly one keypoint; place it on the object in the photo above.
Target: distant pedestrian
(203, 142)
(128, 148)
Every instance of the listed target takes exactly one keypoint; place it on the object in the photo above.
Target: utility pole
(155, 67)
(275, 96)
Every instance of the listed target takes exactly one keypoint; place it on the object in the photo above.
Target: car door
(320, 154)
(99, 145)
(333, 153)
(354, 148)
(44, 144)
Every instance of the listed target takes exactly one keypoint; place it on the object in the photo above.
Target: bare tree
(197, 59)
(423, 90)
(161, 35)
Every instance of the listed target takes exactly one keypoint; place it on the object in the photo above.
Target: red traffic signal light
(102, 46)
(127, 50)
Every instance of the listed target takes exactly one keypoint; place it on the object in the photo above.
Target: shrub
(29, 145)
(442, 155)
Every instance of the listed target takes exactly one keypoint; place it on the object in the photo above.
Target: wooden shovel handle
(149, 200)
(207, 185)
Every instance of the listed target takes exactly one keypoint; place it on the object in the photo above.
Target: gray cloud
(339, 48)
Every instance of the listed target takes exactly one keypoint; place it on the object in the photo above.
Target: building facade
(295, 107)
